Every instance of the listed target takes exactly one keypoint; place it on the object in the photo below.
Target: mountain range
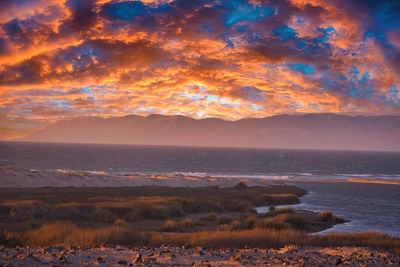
(309, 131)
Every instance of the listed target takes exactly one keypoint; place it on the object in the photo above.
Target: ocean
(370, 207)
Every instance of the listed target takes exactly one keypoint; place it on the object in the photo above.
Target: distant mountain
(310, 131)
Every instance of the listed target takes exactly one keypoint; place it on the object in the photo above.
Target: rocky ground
(177, 256)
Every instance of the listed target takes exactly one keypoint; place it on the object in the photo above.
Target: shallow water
(369, 207)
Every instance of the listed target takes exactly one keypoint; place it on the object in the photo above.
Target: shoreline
(21, 178)
(12, 177)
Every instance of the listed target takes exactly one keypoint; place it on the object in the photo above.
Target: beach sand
(17, 177)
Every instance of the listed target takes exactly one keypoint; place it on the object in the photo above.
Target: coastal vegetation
(26, 208)
(68, 234)
(209, 217)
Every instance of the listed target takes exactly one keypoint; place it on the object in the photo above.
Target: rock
(137, 258)
(100, 260)
(237, 257)
(149, 260)
(122, 262)
(339, 261)
(187, 246)
(62, 259)
(172, 255)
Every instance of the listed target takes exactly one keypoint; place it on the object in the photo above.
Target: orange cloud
(227, 59)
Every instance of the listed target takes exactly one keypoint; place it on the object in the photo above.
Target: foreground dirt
(177, 256)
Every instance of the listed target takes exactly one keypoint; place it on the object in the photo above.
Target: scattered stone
(62, 259)
(187, 246)
(100, 260)
(339, 261)
(237, 257)
(137, 259)
(179, 256)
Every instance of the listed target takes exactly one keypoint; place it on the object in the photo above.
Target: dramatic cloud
(228, 59)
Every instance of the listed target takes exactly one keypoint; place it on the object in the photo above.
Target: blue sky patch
(211, 97)
(303, 68)
(124, 10)
(364, 78)
(257, 107)
(284, 33)
(246, 12)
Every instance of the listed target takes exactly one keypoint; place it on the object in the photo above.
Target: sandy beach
(18, 177)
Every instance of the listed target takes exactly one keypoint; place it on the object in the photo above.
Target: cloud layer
(228, 59)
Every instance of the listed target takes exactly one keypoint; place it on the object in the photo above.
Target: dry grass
(20, 203)
(366, 239)
(68, 234)
(247, 238)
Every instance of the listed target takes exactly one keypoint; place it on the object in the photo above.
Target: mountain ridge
(305, 131)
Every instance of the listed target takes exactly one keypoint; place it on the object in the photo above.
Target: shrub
(187, 223)
(272, 223)
(120, 222)
(240, 205)
(224, 219)
(325, 216)
(170, 226)
(235, 225)
(102, 215)
(240, 185)
(282, 211)
(133, 215)
(249, 223)
(296, 221)
(158, 212)
(210, 217)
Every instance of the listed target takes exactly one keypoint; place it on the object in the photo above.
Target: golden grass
(367, 239)
(21, 203)
(68, 234)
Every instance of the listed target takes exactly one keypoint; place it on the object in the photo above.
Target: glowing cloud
(228, 59)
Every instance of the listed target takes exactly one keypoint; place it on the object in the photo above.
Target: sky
(199, 58)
